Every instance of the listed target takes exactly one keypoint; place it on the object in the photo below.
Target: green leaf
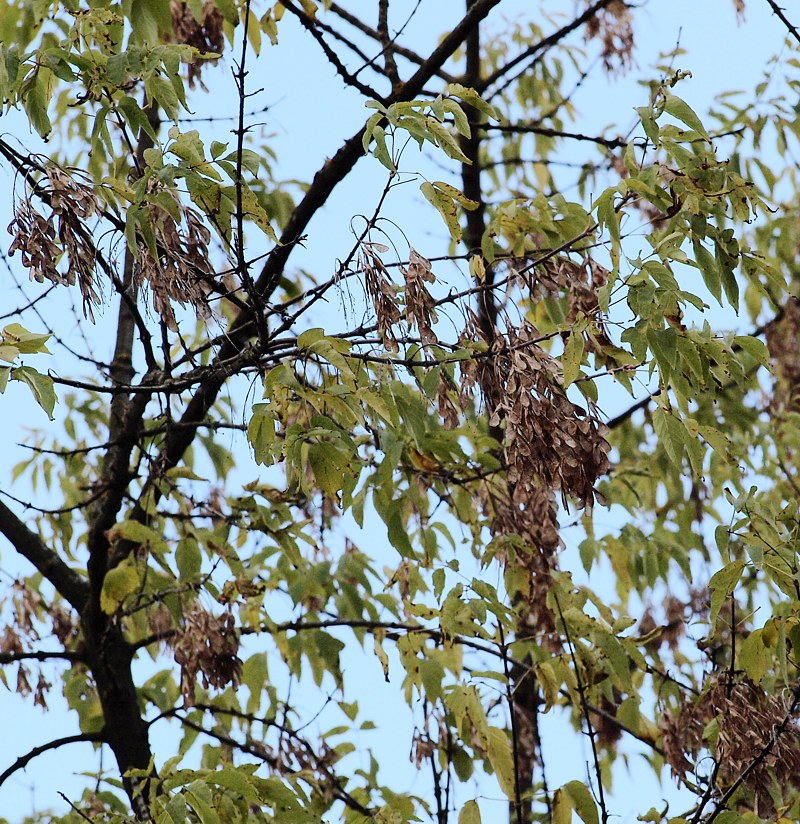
(681, 110)
(573, 355)
(188, 558)
(325, 460)
(562, 808)
(722, 584)
(308, 338)
(582, 802)
(8, 353)
(118, 584)
(471, 98)
(137, 533)
(382, 656)
(456, 194)
(753, 657)
(671, 434)
(256, 212)
(40, 385)
(608, 217)
(37, 101)
(381, 149)
(470, 813)
(26, 343)
(254, 32)
(445, 140)
(755, 348)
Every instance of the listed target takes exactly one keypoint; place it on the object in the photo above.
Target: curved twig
(24, 760)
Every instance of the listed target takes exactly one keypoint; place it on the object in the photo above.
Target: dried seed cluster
(613, 26)
(549, 441)
(178, 272)
(420, 313)
(207, 644)
(382, 292)
(45, 241)
(746, 720)
(207, 34)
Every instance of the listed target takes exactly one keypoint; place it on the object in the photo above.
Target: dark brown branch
(512, 712)
(409, 55)
(76, 810)
(387, 43)
(27, 543)
(242, 267)
(778, 12)
(350, 79)
(586, 716)
(24, 760)
(548, 42)
(108, 654)
(620, 419)
(12, 657)
(533, 128)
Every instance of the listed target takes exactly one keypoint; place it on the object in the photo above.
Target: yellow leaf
(502, 761)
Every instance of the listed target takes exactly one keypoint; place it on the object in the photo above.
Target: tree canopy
(528, 457)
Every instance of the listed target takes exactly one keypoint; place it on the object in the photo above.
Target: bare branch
(387, 43)
(778, 11)
(546, 43)
(534, 128)
(409, 55)
(64, 655)
(24, 760)
(27, 543)
(351, 80)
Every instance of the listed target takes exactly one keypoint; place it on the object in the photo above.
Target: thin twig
(535, 128)
(586, 716)
(514, 727)
(79, 812)
(24, 760)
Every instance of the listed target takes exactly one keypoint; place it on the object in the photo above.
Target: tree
(451, 405)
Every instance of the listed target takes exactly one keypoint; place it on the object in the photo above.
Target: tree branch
(27, 543)
(586, 716)
(546, 43)
(409, 55)
(260, 753)
(350, 79)
(778, 11)
(24, 760)
(533, 128)
(64, 655)
(387, 43)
